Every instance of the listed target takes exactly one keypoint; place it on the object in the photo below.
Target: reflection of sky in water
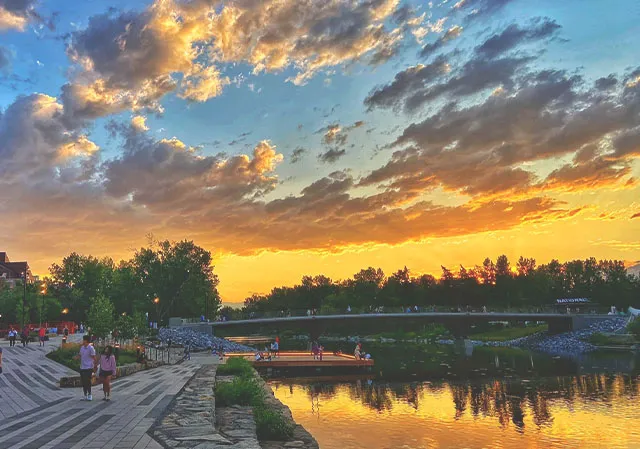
(595, 411)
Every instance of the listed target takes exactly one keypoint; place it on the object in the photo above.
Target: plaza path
(35, 413)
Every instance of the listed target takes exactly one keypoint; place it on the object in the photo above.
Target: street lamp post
(24, 294)
(43, 291)
(156, 301)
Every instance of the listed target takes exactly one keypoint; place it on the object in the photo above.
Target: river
(453, 398)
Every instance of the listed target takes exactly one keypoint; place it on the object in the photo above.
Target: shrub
(242, 391)
(65, 354)
(236, 366)
(271, 425)
(634, 328)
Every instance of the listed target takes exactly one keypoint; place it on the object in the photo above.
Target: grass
(241, 391)
(65, 356)
(271, 425)
(509, 333)
(599, 339)
(246, 390)
(236, 366)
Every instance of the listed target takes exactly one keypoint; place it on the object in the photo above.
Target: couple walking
(104, 366)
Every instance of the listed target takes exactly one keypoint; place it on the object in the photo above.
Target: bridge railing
(582, 309)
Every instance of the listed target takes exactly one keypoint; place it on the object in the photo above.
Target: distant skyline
(299, 137)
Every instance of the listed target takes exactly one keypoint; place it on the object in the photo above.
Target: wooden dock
(305, 360)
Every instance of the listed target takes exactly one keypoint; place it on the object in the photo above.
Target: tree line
(497, 285)
(161, 280)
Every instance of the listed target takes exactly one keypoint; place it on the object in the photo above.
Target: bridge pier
(560, 326)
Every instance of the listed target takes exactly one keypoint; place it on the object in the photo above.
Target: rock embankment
(567, 344)
(198, 340)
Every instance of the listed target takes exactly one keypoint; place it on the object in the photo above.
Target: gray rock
(214, 437)
(199, 341)
(294, 444)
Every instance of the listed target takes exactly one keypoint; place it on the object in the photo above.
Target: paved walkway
(35, 413)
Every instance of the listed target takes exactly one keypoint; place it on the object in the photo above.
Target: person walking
(0, 360)
(87, 356)
(24, 337)
(107, 369)
(12, 337)
(42, 334)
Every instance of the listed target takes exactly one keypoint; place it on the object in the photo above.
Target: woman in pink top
(107, 370)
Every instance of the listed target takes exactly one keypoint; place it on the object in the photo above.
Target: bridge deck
(305, 360)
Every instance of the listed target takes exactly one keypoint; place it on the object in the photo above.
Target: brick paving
(35, 413)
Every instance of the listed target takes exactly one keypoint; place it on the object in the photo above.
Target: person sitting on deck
(358, 352)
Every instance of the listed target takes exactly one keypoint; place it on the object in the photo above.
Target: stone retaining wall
(189, 420)
(121, 371)
(192, 420)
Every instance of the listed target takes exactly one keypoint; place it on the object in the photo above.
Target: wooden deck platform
(305, 360)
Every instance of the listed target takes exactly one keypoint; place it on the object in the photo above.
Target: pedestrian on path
(107, 369)
(25, 336)
(42, 334)
(12, 337)
(0, 360)
(87, 356)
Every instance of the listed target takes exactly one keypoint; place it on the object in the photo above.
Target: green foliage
(65, 356)
(180, 274)
(500, 285)
(634, 328)
(126, 327)
(241, 391)
(100, 318)
(271, 425)
(509, 333)
(236, 366)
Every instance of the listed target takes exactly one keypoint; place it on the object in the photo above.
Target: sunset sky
(294, 137)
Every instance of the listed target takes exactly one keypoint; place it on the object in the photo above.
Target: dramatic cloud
(297, 155)
(478, 9)
(480, 150)
(331, 156)
(130, 60)
(15, 14)
(452, 33)
(336, 135)
(405, 83)
(36, 145)
(514, 36)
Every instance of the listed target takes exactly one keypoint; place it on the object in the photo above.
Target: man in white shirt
(87, 356)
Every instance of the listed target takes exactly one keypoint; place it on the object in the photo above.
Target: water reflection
(564, 409)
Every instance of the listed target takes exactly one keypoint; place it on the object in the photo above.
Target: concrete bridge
(458, 323)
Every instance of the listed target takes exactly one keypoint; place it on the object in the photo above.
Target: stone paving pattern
(36, 414)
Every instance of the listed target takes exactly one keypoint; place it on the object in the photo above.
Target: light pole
(43, 291)
(24, 294)
(156, 301)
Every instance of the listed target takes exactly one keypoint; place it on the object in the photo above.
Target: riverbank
(229, 407)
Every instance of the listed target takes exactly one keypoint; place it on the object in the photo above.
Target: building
(10, 272)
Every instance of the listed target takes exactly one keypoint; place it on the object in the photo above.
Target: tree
(180, 275)
(100, 318)
(126, 327)
(78, 279)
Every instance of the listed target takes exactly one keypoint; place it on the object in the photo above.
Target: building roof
(13, 270)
